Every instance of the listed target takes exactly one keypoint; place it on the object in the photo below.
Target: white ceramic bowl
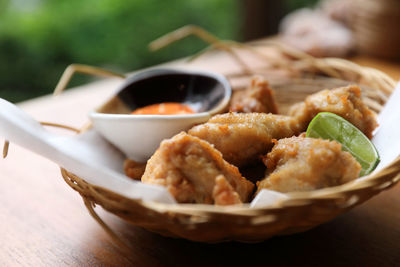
(138, 136)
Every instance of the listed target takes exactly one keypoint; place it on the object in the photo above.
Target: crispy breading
(192, 170)
(258, 97)
(344, 101)
(223, 192)
(134, 169)
(243, 137)
(304, 164)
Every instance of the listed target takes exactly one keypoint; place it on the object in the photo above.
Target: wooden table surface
(43, 222)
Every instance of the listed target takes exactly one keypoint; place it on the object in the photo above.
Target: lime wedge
(330, 126)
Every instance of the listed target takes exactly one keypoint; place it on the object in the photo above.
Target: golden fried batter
(304, 164)
(345, 102)
(258, 97)
(243, 137)
(134, 169)
(223, 192)
(195, 172)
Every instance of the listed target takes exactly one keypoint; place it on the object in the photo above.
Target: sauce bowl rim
(162, 71)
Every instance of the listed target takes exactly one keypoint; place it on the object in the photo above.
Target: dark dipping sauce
(202, 92)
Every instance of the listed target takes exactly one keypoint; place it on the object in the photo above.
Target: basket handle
(114, 237)
(85, 69)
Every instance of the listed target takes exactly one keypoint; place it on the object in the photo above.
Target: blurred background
(40, 38)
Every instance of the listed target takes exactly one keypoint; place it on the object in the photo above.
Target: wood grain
(43, 222)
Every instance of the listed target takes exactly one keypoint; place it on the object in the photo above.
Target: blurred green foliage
(40, 38)
(296, 4)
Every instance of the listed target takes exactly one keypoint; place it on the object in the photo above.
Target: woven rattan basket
(302, 210)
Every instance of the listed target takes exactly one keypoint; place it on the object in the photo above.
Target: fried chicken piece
(223, 192)
(258, 97)
(134, 169)
(344, 101)
(243, 137)
(304, 164)
(195, 172)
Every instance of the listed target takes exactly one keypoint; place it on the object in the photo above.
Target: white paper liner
(91, 157)
(387, 137)
(87, 155)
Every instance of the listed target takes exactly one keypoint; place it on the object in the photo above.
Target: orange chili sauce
(168, 108)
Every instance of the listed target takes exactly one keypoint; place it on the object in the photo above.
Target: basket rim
(294, 199)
